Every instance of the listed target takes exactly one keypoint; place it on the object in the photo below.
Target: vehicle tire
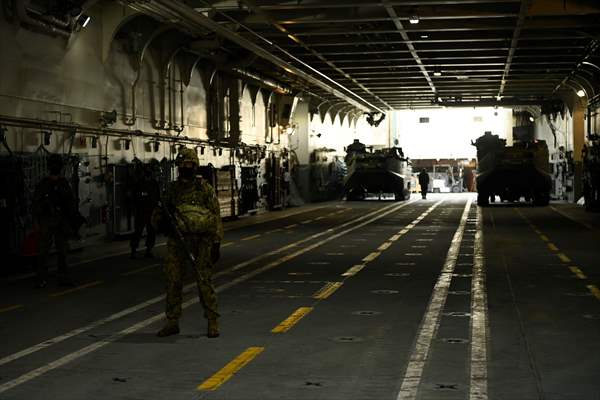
(455, 189)
(482, 199)
(541, 199)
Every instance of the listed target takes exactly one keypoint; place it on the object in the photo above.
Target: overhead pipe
(22, 8)
(31, 123)
(589, 53)
(181, 106)
(62, 24)
(262, 80)
(130, 121)
(177, 11)
(591, 64)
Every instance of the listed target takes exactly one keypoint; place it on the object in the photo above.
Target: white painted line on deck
(430, 323)
(479, 333)
(57, 339)
(367, 219)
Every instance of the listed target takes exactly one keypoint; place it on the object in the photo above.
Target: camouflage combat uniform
(198, 192)
(186, 191)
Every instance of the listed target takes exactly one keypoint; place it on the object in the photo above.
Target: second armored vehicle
(376, 172)
(512, 173)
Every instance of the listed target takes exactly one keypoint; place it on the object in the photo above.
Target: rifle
(178, 235)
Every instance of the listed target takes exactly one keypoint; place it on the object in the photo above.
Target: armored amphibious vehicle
(521, 171)
(376, 172)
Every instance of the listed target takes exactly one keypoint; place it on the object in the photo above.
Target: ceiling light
(581, 93)
(437, 71)
(498, 98)
(414, 19)
(531, 119)
(424, 36)
(84, 20)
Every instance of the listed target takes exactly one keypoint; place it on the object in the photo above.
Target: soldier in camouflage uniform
(189, 189)
(54, 209)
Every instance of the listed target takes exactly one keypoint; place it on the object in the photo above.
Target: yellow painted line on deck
(578, 272)
(226, 244)
(251, 237)
(308, 221)
(595, 291)
(292, 320)
(274, 230)
(545, 238)
(327, 290)
(372, 256)
(394, 238)
(354, 270)
(76, 289)
(319, 218)
(11, 308)
(563, 257)
(552, 247)
(291, 226)
(384, 246)
(142, 269)
(230, 369)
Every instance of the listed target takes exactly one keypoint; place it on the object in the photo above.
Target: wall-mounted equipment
(46, 135)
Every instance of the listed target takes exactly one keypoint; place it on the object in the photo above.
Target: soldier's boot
(171, 328)
(213, 328)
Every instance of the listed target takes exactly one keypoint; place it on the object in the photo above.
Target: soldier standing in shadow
(146, 194)
(190, 213)
(424, 182)
(55, 218)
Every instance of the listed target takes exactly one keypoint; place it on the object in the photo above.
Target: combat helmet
(187, 155)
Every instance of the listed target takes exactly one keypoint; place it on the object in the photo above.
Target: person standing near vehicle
(54, 213)
(146, 195)
(424, 182)
(193, 212)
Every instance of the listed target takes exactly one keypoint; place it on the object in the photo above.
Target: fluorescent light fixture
(581, 93)
(437, 73)
(424, 36)
(532, 119)
(413, 19)
(86, 20)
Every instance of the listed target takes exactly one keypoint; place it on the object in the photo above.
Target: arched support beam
(322, 109)
(333, 109)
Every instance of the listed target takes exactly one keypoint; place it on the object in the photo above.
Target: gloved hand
(215, 252)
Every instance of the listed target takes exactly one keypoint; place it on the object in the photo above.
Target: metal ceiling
(459, 52)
